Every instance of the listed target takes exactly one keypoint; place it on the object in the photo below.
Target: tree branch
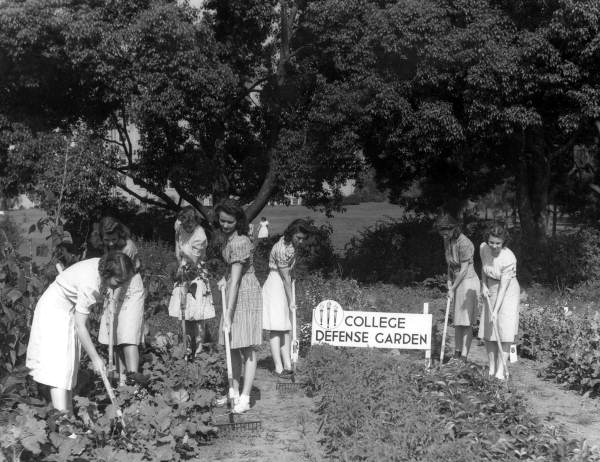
(147, 200)
(193, 201)
(264, 193)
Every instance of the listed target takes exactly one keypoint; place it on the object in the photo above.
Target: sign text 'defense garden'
(334, 326)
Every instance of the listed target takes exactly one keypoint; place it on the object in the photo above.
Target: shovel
(497, 334)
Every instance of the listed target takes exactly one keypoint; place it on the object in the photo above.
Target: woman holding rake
(501, 291)
(463, 283)
(190, 251)
(242, 309)
(59, 326)
(277, 294)
(128, 309)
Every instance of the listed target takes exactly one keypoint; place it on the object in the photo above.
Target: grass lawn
(345, 224)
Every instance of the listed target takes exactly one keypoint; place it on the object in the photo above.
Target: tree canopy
(448, 99)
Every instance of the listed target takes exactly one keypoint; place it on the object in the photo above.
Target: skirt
(276, 312)
(466, 301)
(54, 350)
(128, 320)
(508, 315)
(199, 303)
(246, 325)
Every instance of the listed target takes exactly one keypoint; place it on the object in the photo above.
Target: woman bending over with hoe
(128, 309)
(59, 323)
(277, 294)
(501, 291)
(193, 285)
(242, 308)
(463, 283)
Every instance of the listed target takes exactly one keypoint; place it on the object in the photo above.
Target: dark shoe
(286, 373)
(135, 378)
(276, 374)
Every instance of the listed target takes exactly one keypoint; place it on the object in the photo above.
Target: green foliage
(169, 420)
(381, 407)
(399, 251)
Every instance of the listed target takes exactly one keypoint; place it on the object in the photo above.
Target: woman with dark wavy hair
(463, 283)
(128, 319)
(277, 294)
(59, 323)
(242, 309)
(500, 286)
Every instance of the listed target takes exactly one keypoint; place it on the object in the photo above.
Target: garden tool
(497, 334)
(111, 332)
(184, 287)
(233, 426)
(292, 386)
(113, 398)
(445, 330)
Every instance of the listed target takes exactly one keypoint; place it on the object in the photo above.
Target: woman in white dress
(499, 283)
(277, 294)
(128, 318)
(190, 251)
(59, 323)
(263, 228)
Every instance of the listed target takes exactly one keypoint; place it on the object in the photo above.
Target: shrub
(381, 407)
(399, 251)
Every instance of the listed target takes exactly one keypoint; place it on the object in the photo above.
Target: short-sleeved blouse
(80, 283)
(190, 246)
(282, 255)
(239, 250)
(504, 265)
(459, 251)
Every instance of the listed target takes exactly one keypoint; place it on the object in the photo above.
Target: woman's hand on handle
(485, 292)
(99, 365)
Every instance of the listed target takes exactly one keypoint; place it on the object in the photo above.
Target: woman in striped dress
(242, 309)
(463, 283)
(277, 294)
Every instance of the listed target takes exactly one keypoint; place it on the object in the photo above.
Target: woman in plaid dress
(242, 309)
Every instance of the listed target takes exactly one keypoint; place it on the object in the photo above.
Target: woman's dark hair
(448, 222)
(189, 213)
(297, 226)
(109, 225)
(233, 208)
(115, 264)
(497, 230)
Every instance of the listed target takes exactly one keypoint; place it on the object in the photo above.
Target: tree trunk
(533, 181)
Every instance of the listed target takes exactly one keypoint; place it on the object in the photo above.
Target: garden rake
(233, 426)
(292, 386)
(111, 335)
(498, 341)
(444, 331)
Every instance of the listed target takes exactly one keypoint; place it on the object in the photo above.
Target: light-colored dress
(54, 349)
(191, 248)
(246, 325)
(276, 311)
(466, 295)
(263, 229)
(128, 319)
(495, 268)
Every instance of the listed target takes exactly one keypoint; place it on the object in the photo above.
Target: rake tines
(243, 428)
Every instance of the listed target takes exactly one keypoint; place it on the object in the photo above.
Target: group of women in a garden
(498, 288)
(59, 327)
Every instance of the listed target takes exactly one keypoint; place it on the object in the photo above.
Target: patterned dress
(246, 326)
(191, 248)
(504, 266)
(466, 295)
(128, 320)
(276, 312)
(54, 349)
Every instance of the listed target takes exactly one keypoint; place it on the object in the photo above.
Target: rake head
(246, 428)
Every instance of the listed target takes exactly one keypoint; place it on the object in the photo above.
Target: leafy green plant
(376, 406)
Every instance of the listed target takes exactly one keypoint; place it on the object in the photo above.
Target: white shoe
(242, 405)
(222, 401)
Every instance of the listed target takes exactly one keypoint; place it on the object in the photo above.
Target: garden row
(377, 406)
